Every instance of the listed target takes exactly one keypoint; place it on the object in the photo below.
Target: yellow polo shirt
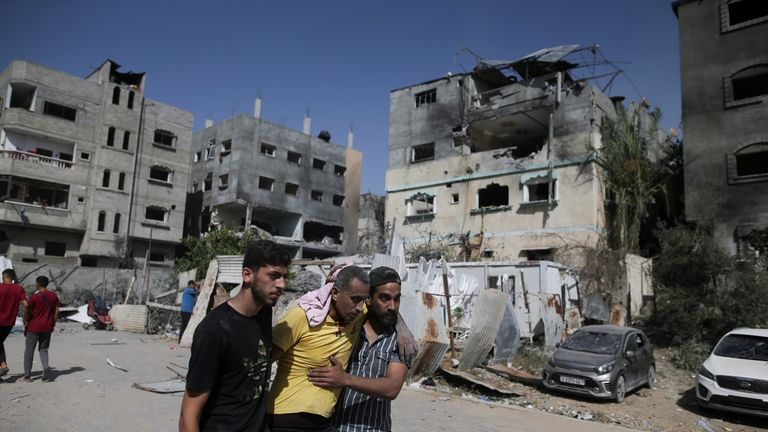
(307, 348)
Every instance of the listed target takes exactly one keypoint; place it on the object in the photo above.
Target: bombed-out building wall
(724, 84)
(301, 189)
(498, 162)
(79, 159)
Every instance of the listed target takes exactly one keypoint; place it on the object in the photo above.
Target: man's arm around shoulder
(335, 376)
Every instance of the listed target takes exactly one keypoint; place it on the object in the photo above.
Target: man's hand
(329, 377)
(406, 343)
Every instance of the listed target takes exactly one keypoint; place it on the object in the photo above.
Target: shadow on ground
(688, 402)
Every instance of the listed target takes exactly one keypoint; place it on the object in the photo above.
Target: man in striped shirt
(376, 371)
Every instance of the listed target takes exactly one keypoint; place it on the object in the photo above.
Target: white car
(735, 376)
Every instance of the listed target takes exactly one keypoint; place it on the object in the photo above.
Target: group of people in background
(40, 312)
(342, 353)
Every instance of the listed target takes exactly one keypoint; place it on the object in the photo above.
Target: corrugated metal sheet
(424, 313)
(132, 318)
(489, 311)
(230, 268)
(552, 316)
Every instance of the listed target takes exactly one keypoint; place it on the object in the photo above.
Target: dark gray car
(604, 361)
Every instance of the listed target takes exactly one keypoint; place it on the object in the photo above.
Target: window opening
(223, 181)
(338, 200)
(121, 181)
(102, 221)
(454, 198)
(55, 248)
(35, 192)
(116, 96)
(160, 173)
(226, 148)
(316, 195)
(105, 179)
(116, 225)
(294, 157)
(44, 152)
(155, 213)
(22, 96)
(85, 156)
(266, 183)
(126, 139)
(156, 257)
(268, 149)
(292, 189)
(208, 182)
(422, 152)
(318, 164)
(746, 10)
(111, 137)
(61, 111)
(197, 156)
(755, 163)
(750, 82)
(164, 137)
(339, 170)
(493, 195)
(422, 204)
(426, 97)
(131, 95)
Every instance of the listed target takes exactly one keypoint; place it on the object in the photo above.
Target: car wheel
(619, 389)
(651, 377)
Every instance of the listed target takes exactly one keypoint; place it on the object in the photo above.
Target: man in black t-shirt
(229, 368)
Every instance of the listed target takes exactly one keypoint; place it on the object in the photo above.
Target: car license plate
(572, 380)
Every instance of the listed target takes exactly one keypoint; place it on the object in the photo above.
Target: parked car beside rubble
(734, 377)
(602, 361)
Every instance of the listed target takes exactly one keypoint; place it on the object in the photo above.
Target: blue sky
(339, 59)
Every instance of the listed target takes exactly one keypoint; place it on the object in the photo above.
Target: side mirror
(630, 354)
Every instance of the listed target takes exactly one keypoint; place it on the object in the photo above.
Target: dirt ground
(89, 394)
(670, 406)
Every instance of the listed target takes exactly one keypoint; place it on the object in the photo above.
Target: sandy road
(88, 394)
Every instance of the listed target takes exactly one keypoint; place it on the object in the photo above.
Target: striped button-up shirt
(358, 412)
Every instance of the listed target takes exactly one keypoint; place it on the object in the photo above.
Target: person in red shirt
(11, 296)
(40, 316)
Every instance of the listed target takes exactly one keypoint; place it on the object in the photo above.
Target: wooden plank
(201, 305)
(163, 306)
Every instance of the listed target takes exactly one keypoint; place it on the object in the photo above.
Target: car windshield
(743, 347)
(594, 342)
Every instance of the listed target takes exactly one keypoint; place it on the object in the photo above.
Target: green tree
(198, 252)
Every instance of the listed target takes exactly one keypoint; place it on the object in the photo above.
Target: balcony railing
(35, 158)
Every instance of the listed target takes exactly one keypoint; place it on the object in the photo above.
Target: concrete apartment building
(497, 162)
(303, 190)
(91, 171)
(724, 83)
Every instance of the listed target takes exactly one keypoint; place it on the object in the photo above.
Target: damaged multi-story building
(91, 172)
(303, 190)
(724, 85)
(498, 161)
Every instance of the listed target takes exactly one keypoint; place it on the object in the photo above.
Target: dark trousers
(4, 332)
(185, 316)
(300, 422)
(33, 340)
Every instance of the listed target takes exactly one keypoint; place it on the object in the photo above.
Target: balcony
(36, 159)
(33, 165)
(27, 214)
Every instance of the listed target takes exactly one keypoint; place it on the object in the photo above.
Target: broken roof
(535, 64)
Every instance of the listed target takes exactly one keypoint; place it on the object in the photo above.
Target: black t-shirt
(230, 356)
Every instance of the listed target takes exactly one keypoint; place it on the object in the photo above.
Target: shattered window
(339, 170)
(594, 342)
(156, 213)
(422, 152)
(226, 147)
(750, 82)
(421, 204)
(164, 137)
(426, 97)
(22, 96)
(741, 11)
(493, 195)
(540, 191)
(160, 173)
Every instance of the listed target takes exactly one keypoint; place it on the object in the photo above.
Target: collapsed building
(302, 190)
(92, 173)
(497, 162)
